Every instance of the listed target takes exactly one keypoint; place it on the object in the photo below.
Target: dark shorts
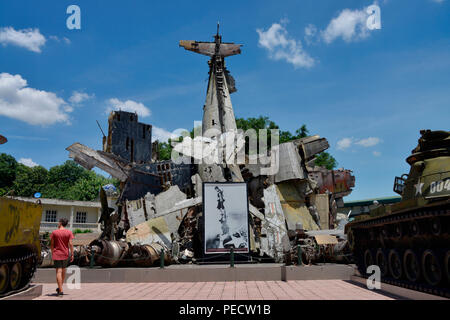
(61, 263)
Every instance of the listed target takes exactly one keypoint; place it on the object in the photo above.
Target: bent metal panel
(225, 207)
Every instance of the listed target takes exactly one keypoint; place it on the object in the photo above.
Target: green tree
(61, 178)
(69, 172)
(255, 123)
(87, 187)
(68, 181)
(165, 150)
(8, 168)
(258, 124)
(29, 180)
(324, 159)
(302, 132)
(285, 136)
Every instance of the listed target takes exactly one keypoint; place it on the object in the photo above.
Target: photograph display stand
(225, 221)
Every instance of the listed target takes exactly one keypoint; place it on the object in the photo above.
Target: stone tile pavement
(238, 290)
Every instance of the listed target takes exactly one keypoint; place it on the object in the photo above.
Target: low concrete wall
(317, 272)
(206, 273)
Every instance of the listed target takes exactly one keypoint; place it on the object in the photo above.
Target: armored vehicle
(19, 243)
(409, 241)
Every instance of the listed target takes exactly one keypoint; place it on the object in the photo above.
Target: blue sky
(369, 92)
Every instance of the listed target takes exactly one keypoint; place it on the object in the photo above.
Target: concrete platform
(32, 292)
(228, 290)
(327, 271)
(206, 273)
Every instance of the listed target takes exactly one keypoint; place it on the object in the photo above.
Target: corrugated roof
(368, 202)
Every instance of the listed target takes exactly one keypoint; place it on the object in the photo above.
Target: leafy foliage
(29, 180)
(68, 181)
(324, 159)
(82, 231)
(165, 150)
(8, 166)
(87, 187)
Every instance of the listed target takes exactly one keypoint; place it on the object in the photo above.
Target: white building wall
(68, 209)
(64, 211)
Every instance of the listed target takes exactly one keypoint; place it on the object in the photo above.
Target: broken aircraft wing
(209, 48)
(89, 158)
(311, 146)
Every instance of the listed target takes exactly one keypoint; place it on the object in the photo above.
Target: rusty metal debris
(147, 255)
(108, 253)
(3, 139)
(160, 205)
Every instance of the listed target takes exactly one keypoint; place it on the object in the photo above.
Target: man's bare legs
(60, 275)
(63, 277)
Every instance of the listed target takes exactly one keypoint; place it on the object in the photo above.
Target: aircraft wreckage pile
(160, 207)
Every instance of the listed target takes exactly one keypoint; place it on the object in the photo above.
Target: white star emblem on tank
(418, 186)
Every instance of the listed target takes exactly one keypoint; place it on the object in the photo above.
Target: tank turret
(429, 176)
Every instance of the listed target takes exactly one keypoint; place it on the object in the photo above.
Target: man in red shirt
(61, 239)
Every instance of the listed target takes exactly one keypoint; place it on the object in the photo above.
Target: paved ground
(245, 290)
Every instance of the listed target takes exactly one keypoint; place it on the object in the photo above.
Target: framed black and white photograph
(225, 209)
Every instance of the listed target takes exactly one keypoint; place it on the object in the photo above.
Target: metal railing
(48, 226)
(85, 226)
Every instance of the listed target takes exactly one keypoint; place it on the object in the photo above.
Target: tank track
(368, 235)
(422, 287)
(28, 276)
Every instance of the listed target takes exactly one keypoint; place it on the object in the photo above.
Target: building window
(81, 217)
(50, 215)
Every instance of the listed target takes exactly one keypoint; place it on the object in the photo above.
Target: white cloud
(281, 47)
(310, 33)
(162, 134)
(55, 38)
(368, 142)
(376, 153)
(350, 25)
(30, 39)
(27, 138)
(36, 107)
(129, 105)
(28, 162)
(344, 143)
(79, 97)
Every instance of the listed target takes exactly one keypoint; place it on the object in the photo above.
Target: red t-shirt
(61, 239)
